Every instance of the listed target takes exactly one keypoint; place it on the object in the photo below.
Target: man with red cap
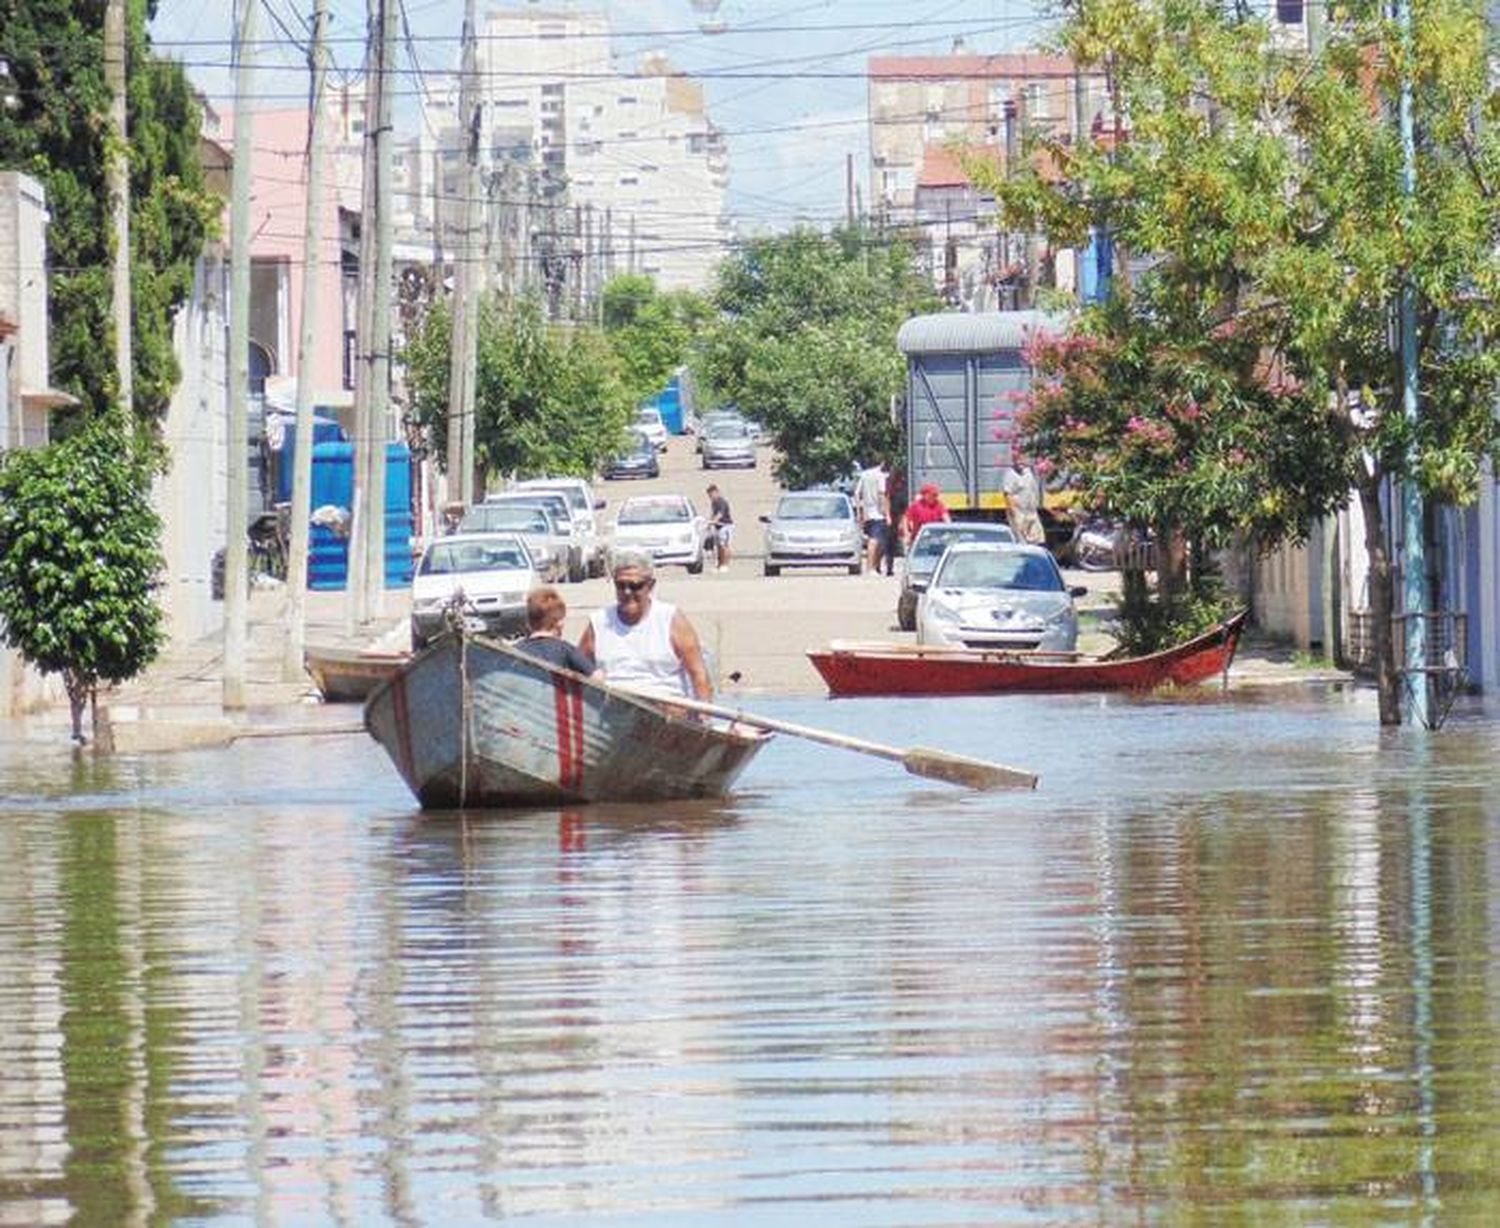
(927, 509)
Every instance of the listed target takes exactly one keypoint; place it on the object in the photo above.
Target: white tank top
(640, 656)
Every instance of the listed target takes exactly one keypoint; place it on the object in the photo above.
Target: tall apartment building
(587, 170)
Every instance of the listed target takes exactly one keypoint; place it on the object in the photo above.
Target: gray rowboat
(471, 723)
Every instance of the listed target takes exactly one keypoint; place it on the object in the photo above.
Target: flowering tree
(1265, 183)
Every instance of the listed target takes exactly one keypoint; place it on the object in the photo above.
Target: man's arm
(586, 641)
(690, 652)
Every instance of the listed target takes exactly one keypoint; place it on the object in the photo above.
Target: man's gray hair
(631, 560)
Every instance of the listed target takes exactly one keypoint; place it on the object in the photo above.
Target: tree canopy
(651, 333)
(1259, 190)
(548, 398)
(79, 562)
(57, 130)
(806, 345)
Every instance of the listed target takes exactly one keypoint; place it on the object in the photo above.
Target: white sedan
(998, 596)
(649, 423)
(482, 578)
(667, 527)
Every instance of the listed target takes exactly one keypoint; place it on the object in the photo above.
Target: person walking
(874, 509)
(643, 644)
(722, 522)
(545, 613)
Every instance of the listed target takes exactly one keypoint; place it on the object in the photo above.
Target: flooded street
(1233, 961)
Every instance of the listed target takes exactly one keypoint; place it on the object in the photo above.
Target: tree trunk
(78, 697)
(1171, 563)
(1387, 677)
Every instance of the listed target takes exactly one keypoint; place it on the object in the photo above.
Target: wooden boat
(902, 669)
(470, 722)
(348, 675)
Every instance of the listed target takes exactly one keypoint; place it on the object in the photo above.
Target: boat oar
(918, 760)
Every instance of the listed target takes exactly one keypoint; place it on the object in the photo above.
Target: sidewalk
(178, 701)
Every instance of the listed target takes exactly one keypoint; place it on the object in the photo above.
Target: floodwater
(1233, 962)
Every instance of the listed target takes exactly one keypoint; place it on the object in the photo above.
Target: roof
(942, 165)
(954, 332)
(1028, 65)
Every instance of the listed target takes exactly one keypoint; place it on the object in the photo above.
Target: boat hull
(905, 670)
(345, 676)
(472, 723)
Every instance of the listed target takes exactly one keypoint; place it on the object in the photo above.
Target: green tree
(548, 398)
(650, 333)
(79, 562)
(1265, 186)
(806, 345)
(57, 130)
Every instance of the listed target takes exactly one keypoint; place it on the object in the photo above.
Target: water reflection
(1232, 960)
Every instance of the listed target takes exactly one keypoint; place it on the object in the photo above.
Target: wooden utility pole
(118, 178)
(463, 345)
(237, 467)
(379, 284)
(312, 248)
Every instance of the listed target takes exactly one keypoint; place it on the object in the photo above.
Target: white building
(586, 170)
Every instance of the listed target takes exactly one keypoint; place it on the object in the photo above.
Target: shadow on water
(1232, 961)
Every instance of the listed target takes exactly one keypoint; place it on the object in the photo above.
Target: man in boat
(545, 613)
(643, 644)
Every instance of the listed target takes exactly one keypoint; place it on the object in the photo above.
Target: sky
(784, 79)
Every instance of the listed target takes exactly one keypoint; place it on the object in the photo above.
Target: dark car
(637, 460)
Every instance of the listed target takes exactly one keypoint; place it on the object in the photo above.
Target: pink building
(278, 203)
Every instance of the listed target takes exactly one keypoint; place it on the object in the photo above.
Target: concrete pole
(380, 322)
(1413, 546)
(355, 606)
(237, 467)
(118, 181)
(463, 345)
(312, 250)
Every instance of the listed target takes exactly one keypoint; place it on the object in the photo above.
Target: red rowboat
(903, 669)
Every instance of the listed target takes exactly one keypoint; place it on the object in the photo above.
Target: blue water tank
(669, 403)
(333, 487)
(281, 442)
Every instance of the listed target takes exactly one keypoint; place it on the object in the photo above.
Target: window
(1289, 12)
(627, 100)
(629, 180)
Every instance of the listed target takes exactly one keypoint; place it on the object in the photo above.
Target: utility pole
(312, 248)
(849, 190)
(380, 323)
(236, 561)
(118, 174)
(355, 607)
(463, 345)
(1413, 545)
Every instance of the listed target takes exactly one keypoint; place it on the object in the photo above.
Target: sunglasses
(633, 586)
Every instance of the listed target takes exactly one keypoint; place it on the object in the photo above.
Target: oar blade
(961, 770)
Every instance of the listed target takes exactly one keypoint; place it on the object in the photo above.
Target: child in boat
(545, 612)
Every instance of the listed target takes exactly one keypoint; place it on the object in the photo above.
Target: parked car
(486, 574)
(556, 505)
(998, 595)
(813, 528)
(711, 419)
(726, 442)
(927, 548)
(547, 545)
(636, 460)
(649, 423)
(667, 527)
(581, 502)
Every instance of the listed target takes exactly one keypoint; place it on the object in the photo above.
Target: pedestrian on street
(928, 509)
(1023, 501)
(642, 644)
(545, 612)
(874, 509)
(722, 522)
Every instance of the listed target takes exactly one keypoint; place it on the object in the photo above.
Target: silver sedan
(994, 595)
